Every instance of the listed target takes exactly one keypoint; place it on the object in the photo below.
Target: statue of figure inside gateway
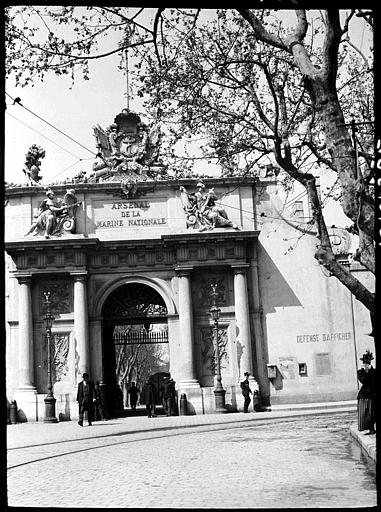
(127, 150)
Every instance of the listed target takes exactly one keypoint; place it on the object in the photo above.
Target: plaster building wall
(308, 318)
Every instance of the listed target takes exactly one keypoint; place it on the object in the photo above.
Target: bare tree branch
(155, 24)
(261, 33)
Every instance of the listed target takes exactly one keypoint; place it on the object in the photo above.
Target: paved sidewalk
(367, 442)
(26, 434)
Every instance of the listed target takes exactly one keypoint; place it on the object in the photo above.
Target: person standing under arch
(133, 392)
(169, 395)
(150, 397)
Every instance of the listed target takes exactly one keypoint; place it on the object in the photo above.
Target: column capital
(183, 271)
(241, 268)
(24, 278)
(79, 276)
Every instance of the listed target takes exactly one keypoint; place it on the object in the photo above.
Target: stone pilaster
(96, 359)
(260, 349)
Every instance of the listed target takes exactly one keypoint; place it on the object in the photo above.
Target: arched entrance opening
(135, 342)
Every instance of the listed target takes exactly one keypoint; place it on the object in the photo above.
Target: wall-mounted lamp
(271, 371)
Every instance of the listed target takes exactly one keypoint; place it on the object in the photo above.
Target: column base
(26, 389)
(26, 399)
(219, 397)
(189, 383)
(50, 410)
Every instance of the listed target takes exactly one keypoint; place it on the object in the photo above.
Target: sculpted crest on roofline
(127, 150)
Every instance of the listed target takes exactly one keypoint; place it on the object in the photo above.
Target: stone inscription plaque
(129, 214)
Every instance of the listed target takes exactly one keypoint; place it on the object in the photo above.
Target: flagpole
(127, 80)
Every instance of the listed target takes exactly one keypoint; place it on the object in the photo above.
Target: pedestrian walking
(99, 411)
(169, 394)
(150, 398)
(85, 397)
(246, 391)
(133, 392)
(366, 398)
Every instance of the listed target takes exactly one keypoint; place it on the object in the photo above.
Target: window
(303, 369)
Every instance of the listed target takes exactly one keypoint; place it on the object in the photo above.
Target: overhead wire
(270, 218)
(42, 135)
(71, 165)
(49, 124)
(66, 168)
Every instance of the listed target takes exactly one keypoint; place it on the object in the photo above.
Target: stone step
(351, 404)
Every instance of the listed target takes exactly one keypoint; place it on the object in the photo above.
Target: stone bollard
(183, 405)
(13, 412)
(257, 401)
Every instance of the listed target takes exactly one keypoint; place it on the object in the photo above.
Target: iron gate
(146, 334)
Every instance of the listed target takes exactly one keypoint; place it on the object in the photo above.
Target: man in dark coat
(366, 398)
(85, 397)
(99, 412)
(169, 394)
(133, 392)
(246, 391)
(150, 397)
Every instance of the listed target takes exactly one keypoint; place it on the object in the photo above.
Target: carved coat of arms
(127, 149)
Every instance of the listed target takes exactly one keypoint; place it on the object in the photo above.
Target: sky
(74, 110)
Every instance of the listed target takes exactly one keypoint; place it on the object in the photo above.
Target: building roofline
(40, 244)
(234, 181)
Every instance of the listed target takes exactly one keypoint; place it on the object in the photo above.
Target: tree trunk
(356, 203)
(326, 258)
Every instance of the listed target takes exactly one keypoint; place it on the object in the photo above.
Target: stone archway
(158, 284)
(134, 334)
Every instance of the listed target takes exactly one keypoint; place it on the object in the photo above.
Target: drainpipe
(354, 337)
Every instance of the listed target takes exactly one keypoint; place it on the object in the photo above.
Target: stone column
(26, 359)
(188, 373)
(243, 336)
(81, 331)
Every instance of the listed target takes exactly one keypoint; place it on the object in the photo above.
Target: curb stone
(367, 442)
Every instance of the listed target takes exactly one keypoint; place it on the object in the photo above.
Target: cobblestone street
(307, 461)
